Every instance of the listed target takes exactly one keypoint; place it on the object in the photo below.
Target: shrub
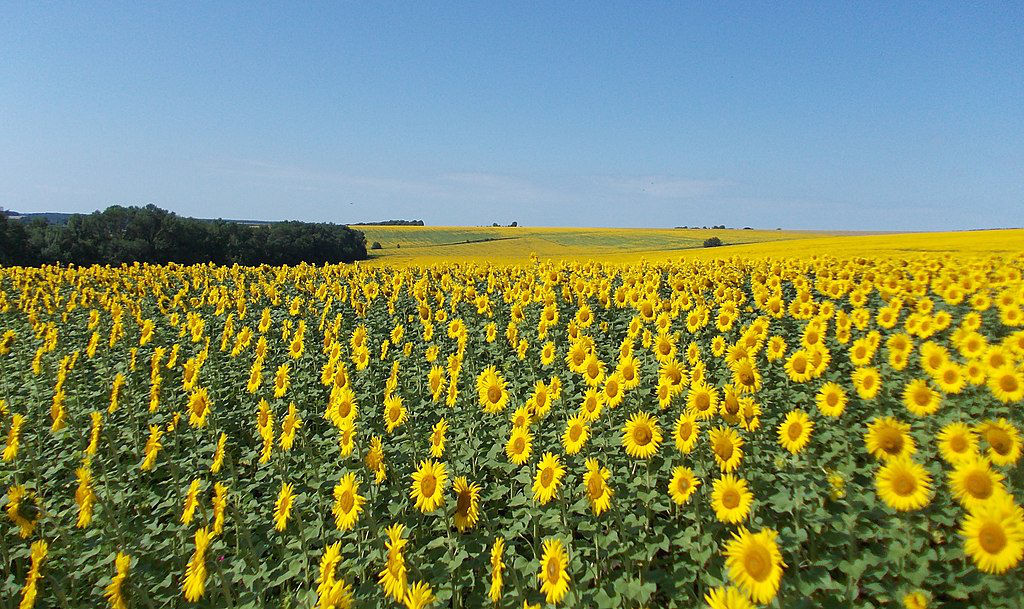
(712, 242)
(376, 245)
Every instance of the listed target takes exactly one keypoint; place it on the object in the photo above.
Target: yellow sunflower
(755, 563)
(867, 382)
(437, 438)
(745, 376)
(641, 436)
(1007, 384)
(795, 431)
(727, 598)
(731, 499)
(548, 478)
(283, 506)
(491, 390)
(1004, 447)
(920, 399)
(497, 570)
(575, 435)
(428, 484)
(994, 536)
(467, 506)
(519, 445)
(553, 576)
(957, 442)
(727, 446)
(394, 412)
(888, 438)
(973, 482)
(687, 432)
(903, 484)
(595, 481)
(683, 485)
(347, 502)
(702, 400)
(831, 400)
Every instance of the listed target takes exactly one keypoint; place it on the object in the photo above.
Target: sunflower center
(799, 365)
(904, 484)
(891, 441)
(463, 503)
(724, 449)
(593, 369)
(1008, 383)
(868, 382)
(394, 413)
(494, 394)
(703, 401)
(757, 562)
(685, 431)
(732, 405)
(746, 377)
(575, 432)
(552, 571)
(978, 484)
(346, 501)
(1000, 441)
(832, 400)
(642, 435)
(547, 476)
(922, 396)
(627, 373)
(731, 499)
(958, 443)
(428, 484)
(595, 485)
(519, 445)
(345, 409)
(795, 429)
(992, 537)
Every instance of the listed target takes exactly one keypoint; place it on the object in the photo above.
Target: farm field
(819, 421)
(415, 245)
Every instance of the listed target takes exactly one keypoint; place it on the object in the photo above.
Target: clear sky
(824, 115)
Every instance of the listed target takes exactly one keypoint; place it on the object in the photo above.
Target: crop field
(835, 426)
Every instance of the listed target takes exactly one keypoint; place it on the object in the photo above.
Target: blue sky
(861, 116)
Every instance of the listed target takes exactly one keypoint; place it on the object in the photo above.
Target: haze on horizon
(861, 116)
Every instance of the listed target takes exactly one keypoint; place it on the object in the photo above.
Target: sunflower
(776, 348)
(950, 378)
(491, 390)
(437, 434)
(283, 506)
(831, 400)
(1003, 443)
(613, 390)
(973, 482)
(957, 443)
(915, 600)
(628, 372)
(23, 509)
(731, 499)
(428, 484)
(683, 484)
(281, 380)
(994, 536)
(867, 382)
(687, 432)
(497, 568)
(641, 436)
(755, 563)
(593, 370)
(920, 399)
(548, 478)
(547, 353)
(745, 376)
(795, 431)
(198, 407)
(554, 579)
(519, 445)
(435, 382)
(289, 425)
(394, 576)
(727, 446)
(467, 504)
(347, 502)
(1007, 384)
(702, 401)
(798, 366)
(727, 598)
(595, 481)
(575, 435)
(419, 596)
(888, 438)
(903, 484)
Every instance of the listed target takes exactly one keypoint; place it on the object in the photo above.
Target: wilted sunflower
(548, 478)
(575, 435)
(903, 484)
(683, 484)
(994, 535)
(641, 436)
(888, 438)
(428, 484)
(795, 431)
(519, 445)
(731, 499)
(347, 502)
(595, 481)
(467, 504)
(553, 575)
(727, 446)
(755, 563)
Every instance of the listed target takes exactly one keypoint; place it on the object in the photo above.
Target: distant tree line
(393, 223)
(150, 234)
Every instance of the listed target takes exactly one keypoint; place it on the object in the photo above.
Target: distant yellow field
(425, 245)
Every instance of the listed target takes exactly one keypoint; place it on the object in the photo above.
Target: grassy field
(415, 245)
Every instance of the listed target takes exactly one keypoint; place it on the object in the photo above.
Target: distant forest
(149, 234)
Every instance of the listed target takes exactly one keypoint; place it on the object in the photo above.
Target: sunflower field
(806, 432)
